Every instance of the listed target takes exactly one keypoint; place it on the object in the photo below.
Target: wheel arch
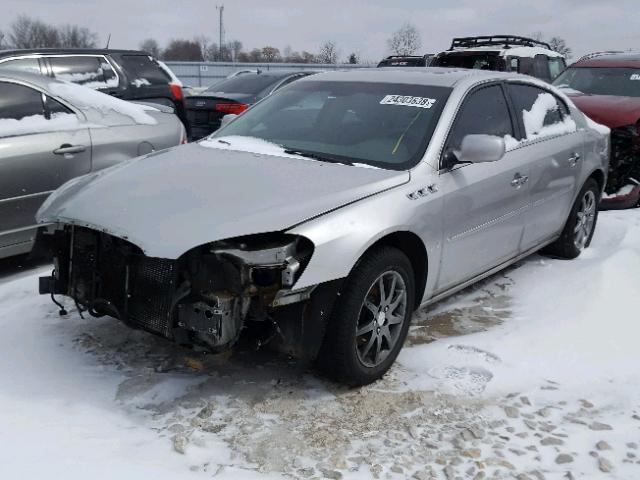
(414, 248)
(599, 176)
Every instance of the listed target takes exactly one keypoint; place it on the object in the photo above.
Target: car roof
(67, 51)
(428, 76)
(609, 59)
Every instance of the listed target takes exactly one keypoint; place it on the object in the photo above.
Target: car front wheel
(370, 320)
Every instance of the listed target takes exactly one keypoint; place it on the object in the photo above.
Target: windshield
(381, 124)
(623, 82)
(250, 83)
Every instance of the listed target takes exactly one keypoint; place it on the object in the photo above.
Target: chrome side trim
(22, 197)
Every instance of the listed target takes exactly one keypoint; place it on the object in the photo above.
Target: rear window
(403, 62)
(144, 70)
(248, 83)
(478, 61)
(622, 82)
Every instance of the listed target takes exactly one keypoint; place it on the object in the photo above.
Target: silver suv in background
(504, 53)
(52, 131)
(325, 215)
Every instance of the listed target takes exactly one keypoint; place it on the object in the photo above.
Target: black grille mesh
(152, 282)
(101, 265)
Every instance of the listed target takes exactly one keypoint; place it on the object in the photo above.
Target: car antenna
(108, 40)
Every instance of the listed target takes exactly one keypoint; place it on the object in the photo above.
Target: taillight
(235, 108)
(176, 91)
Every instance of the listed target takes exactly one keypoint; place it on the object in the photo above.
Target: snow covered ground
(534, 373)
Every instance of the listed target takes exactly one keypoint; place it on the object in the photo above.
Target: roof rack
(589, 56)
(504, 40)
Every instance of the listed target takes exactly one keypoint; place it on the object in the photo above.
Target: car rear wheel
(581, 224)
(370, 320)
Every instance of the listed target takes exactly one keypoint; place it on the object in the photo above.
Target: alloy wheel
(586, 220)
(382, 315)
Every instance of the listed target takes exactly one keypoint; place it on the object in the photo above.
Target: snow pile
(534, 119)
(39, 124)
(91, 101)
(574, 323)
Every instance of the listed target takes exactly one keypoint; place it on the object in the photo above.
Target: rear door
(484, 203)
(43, 144)
(554, 148)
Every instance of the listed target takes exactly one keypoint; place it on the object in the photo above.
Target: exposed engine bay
(204, 299)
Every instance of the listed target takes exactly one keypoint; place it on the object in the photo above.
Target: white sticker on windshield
(635, 76)
(408, 101)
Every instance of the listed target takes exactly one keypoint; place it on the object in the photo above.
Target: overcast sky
(355, 25)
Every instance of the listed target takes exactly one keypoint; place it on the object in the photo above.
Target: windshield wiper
(316, 156)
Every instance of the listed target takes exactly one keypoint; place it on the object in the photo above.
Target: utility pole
(220, 9)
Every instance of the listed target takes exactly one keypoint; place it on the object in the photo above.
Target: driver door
(484, 203)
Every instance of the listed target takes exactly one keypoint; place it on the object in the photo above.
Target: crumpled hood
(609, 110)
(171, 201)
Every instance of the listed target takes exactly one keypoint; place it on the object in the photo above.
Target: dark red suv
(606, 87)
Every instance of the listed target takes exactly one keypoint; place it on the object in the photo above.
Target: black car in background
(232, 96)
(126, 74)
(406, 61)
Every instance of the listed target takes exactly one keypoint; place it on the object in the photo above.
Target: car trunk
(203, 112)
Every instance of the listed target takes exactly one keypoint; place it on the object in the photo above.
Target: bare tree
(270, 54)
(559, 45)
(151, 45)
(184, 50)
(405, 41)
(73, 36)
(308, 57)
(328, 53)
(30, 33)
(1, 40)
(353, 59)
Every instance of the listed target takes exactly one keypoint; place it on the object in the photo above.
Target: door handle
(574, 159)
(66, 149)
(519, 180)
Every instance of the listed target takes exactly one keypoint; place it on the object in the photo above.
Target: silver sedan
(324, 216)
(51, 132)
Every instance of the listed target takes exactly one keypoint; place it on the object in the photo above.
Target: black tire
(341, 356)
(566, 246)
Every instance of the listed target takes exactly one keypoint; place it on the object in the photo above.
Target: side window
(484, 111)
(541, 112)
(18, 102)
(92, 72)
(30, 65)
(556, 67)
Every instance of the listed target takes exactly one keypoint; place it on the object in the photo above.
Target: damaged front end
(623, 183)
(204, 299)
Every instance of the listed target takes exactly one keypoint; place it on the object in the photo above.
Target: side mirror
(481, 149)
(227, 118)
